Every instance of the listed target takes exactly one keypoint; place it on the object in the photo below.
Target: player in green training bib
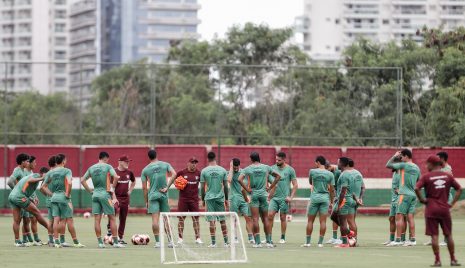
(336, 172)
(281, 195)
(214, 193)
(409, 175)
(103, 196)
(238, 199)
(155, 190)
(322, 182)
(257, 175)
(394, 200)
(358, 190)
(345, 202)
(51, 164)
(20, 199)
(59, 184)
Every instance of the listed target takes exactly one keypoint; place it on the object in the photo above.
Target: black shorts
(432, 226)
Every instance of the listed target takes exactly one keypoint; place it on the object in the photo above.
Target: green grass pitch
(372, 232)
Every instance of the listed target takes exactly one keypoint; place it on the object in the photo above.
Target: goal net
(201, 237)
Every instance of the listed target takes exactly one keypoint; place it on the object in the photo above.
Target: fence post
(5, 137)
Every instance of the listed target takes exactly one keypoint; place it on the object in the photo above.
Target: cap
(193, 160)
(124, 158)
(434, 159)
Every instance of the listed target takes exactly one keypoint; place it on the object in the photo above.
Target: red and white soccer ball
(352, 239)
(108, 240)
(86, 215)
(140, 239)
(289, 218)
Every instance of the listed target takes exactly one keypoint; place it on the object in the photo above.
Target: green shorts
(406, 204)
(393, 210)
(19, 201)
(158, 205)
(49, 213)
(278, 204)
(260, 202)
(215, 205)
(347, 206)
(237, 204)
(316, 207)
(102, 205)
(62, 210)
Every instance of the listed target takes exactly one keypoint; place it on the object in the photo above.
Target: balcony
(83, 23)
(83, 52)
(75, 39)
(80, 8)
(171, 21)
(361, 28)
(153, 50)
(452, 2)
(169, 6)
(169, 35)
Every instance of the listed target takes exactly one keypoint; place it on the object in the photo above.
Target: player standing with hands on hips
(437, 186)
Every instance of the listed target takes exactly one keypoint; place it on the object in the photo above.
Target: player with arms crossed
(281, 195)
(322, 182)
(60, 181)
(103, 196)
(189, 198)
(437, 185)
(257, 175)
(20, 199)
(409, 175)
(238, 199)
(155, 190)
(214, 192)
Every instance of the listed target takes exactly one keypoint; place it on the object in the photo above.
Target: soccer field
(372, 232)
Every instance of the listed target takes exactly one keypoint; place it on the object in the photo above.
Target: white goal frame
(231, 234)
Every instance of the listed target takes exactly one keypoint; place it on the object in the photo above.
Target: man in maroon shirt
(123, 192)
(437, 186)
(189, 198)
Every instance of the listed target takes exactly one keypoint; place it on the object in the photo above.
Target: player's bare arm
(231, 172)
(241, 182)
(45, 190)
(85, 185)
(226, 195)
(277, 178)
(171, 181)
(458, 192)
(131, 187)
(202, 192)
(420, 196)
(341, 197)
(144, 190)
(295, 186)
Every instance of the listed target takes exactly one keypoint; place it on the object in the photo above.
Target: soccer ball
(108, 240)
(352, 242)
(86, 215)
(289, 218)
(140, 239)
(145, 239)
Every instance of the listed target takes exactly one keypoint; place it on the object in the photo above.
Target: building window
(60, 14)
(337, 21)
(60, 82)
(60, 41)
(337, 49)
(60, 2)
(60, 27)
(60, 68)
(328, 19)
(60, 55)
(385, 22)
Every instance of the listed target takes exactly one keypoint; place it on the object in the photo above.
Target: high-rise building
(112, 31)
(327, 27)
(34, 31)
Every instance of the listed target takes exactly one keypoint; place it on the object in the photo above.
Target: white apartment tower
(34, 31)
(328, 27)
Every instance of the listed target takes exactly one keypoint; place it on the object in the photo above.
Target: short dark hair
(236, 162)
(351, 162)
(321, 159)
(443, 155)
(52, 161)
(59, 158)
(406, 152)
(152, 154)
(31, 158)
(211, 156)
(43, 170)
(20, 158)
(103, 155)
(281, 155)
(255, 157)
(344, 161)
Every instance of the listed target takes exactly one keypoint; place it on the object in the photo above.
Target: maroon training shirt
(191, 192)
(122, 188)
(437, 187)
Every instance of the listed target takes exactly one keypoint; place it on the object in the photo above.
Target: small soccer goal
(201, 237)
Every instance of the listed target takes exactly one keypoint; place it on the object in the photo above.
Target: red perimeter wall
(369, 160)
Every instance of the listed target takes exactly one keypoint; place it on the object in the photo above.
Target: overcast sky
(218, 15)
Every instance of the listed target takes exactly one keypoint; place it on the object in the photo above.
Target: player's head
(43, 170)
(280, 159)
(152, 154)
(351, 163)
(433, 162)
(123, 161)
(254, 157)
(343, 163)
(320, 161)
(192, 163)
(236, 164)
(211, 156)
(60, 159)
(444, 156)
(32, 162)
(52, 161)
(104, 157)
(406, 155)
(22, 160)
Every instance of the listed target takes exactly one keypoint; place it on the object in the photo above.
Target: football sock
(225, 238)
(309, 238)
(392, 237)
(62, 238)
(402, 237)
(157, 238)
(29, 237)
(75, 241)
(213, 239)
(257, 239)
(99, 239)
(344, 240)
(36, 237)
(115, 240)
(250, 236)
(334, 234)
(283, 236)
(50, 238)
(320, 240)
